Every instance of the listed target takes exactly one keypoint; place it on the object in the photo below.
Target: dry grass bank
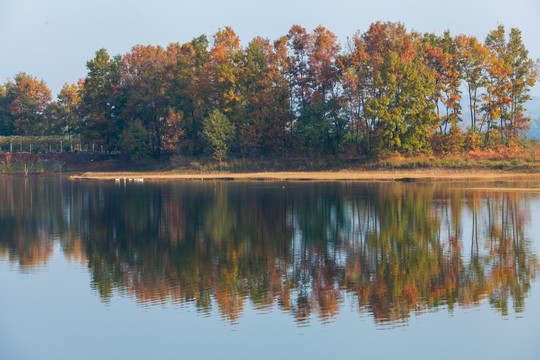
(349, 175)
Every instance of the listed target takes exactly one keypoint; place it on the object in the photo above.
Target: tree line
(387, 90)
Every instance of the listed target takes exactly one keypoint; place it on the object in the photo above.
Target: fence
(45, 144)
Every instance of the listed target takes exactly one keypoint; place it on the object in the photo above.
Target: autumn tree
(190, 91)
(522, 78)
(99, 100)
(472, 56)
(323, 54)
(496, 99)
(146, 76)
(316, 95)
(300, 76)
(443, 58)
(355, 80)
(280, 93)
(69, 102)
(253, 84)
(404, 111)
(390, 86)
(509, 76)
(225, 67)
(26, 100)
(266, 106)
(353, 69)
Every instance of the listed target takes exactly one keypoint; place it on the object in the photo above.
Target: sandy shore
(390, 175)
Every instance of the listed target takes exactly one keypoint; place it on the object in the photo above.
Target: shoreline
(428, 175)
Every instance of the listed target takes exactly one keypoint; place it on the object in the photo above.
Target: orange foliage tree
(26, 102)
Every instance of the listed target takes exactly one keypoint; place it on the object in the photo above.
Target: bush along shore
(80, 162)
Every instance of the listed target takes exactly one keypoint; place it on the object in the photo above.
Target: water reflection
(395, 249)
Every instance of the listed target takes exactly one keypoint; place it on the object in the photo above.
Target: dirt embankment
(95, 166)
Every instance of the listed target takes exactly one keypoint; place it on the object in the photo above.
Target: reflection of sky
(534, 229)
(54, 314)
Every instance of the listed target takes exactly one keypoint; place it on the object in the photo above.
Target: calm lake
(266, 270)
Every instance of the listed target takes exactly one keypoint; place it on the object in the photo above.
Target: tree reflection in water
(396, 249)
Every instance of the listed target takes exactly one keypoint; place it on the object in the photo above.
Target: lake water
(266, 270)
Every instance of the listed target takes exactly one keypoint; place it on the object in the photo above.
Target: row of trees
(389, 90)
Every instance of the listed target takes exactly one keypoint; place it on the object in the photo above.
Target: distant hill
(534, 130)
(533, 110)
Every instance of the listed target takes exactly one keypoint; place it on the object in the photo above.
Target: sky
(52, 40)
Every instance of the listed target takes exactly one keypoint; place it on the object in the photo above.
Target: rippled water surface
(265, 270)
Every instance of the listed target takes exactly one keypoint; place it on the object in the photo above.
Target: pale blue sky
(52, 40)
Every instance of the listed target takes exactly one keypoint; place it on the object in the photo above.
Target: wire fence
(46, 144)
